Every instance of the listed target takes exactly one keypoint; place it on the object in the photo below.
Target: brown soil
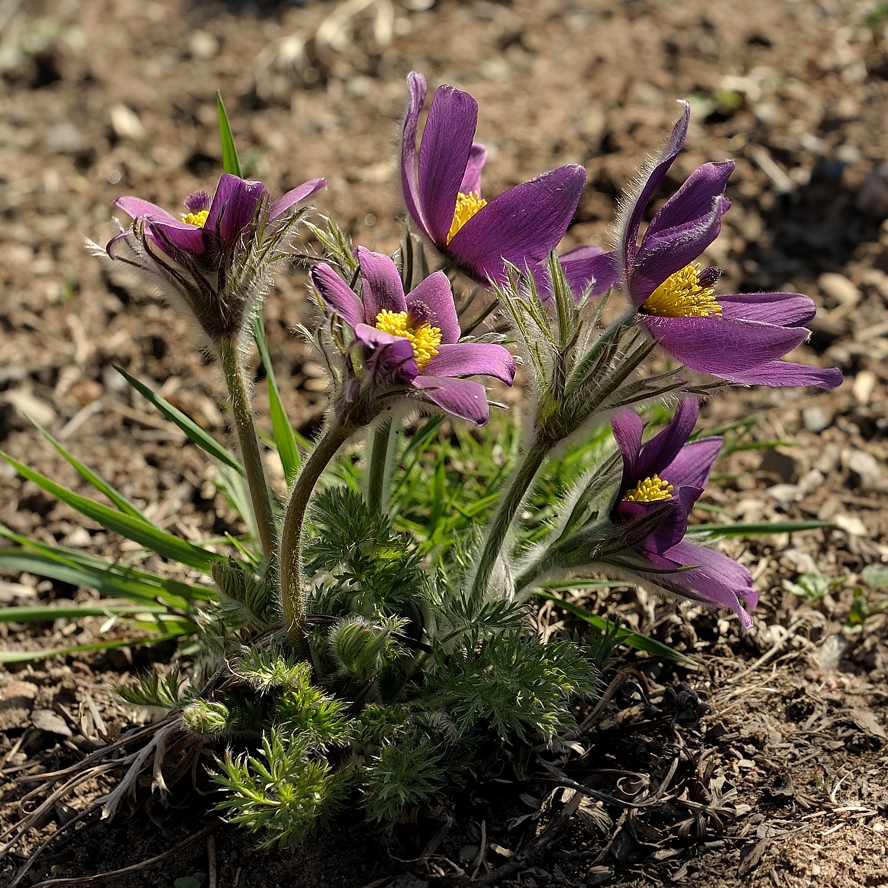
(775, 749)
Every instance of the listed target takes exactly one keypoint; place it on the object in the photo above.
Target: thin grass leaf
(48, 613)
(31, 656)
(83, 569)
(284, 439)
(205, 441)
(625, 636)
(763, 528)
(159, 541)
(230, 161)
(87, 474)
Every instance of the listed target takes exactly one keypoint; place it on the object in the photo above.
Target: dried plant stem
(251, 456)
(333, 438)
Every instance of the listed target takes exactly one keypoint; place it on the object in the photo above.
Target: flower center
(466, 207)
(424, 338)
(650, 490)
(199, 218)
(682, 296)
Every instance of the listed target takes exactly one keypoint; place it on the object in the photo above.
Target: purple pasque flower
(217, 254)
(661, 481)
(406, 345)
(737, 337)
(443, 195)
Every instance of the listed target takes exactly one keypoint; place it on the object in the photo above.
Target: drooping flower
(736, 337)
(407, 345)
(661, 481)
(443, 196)
(217, 255)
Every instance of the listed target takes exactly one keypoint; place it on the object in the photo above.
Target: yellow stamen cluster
(681, 296)
(466, 207)
(199, 219)
(650, 490)
(424, 338)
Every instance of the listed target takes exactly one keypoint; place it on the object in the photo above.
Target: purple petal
(785, 373)
(719, 345)
(628, 428)
(460, 397)
(693, 200)
(443, 157)
(234, 207)
(175, 237)
(783, 309)
(523, 225)
(471, 358)
(383, 290)
(629, 234)
(590, 265)
(135, 206)
(667, 252)
(417, 89)
(664, 447)
(390, 358)
(435, 296)
(693, 463)
(472, 176)
(718, 580)
(295, 196)
(334, 291)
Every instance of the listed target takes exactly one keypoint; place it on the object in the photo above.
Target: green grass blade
(230, 162)
(763, 528)
(87, 474)
(110, 579)
(164, 544)
(48, 613)
(284, 439)
(625, 636)
(203, 440)
(30, 656)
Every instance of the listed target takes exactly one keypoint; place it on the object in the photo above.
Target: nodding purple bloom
(737, 337)
(521, 226)
(407, 344)
(661, 481)
(216, 255)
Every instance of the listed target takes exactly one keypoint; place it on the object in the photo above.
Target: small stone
(784, 493)
(126, 124)
(838, 288)
(866, 467)
(863, 386)
(815, 419)
(47, 721)
(79, 538)
(203, 45)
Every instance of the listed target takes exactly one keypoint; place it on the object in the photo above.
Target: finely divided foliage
(366, 640)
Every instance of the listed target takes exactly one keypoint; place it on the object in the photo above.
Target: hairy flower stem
(291, 536)
(506, 510)
(379, 466)
(242, 416)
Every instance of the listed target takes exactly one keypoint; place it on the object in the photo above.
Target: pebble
(863, 386)
(815, 419)
(865, 466)
(838, 287)
(47, 721)
(203, 45)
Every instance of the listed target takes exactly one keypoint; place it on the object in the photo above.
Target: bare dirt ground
(765, 765)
